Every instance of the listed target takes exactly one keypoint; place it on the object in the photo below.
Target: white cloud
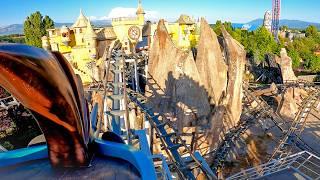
(152, 15)
(95, 18)
(126, 12)
(122, 12)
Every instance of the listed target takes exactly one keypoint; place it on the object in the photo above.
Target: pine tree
(311, 31)
(35, 27)
(48, 22)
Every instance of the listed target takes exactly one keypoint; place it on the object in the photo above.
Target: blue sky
(15, 11)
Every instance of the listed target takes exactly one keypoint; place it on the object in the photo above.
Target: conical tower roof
(90, 32)
(82, 21)
(140, 9)
(185, 19)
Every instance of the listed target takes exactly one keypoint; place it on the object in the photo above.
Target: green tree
(35, 27)
(295, 58)
(237, 34)
(311, 31)
(260, 43)
(284, 28)
(314, 64)
(48, 22)
(217, 27)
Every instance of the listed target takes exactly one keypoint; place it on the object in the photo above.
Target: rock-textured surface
(288, 107)
(210, 63)
(235, 56)
(227, 113)
(209, 88)
(285, 63)
(174, 86)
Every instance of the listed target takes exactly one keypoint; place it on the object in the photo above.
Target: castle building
(84, 45)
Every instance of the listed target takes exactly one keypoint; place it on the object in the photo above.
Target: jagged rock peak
(176, 85)
(210, 63)
(235, 57)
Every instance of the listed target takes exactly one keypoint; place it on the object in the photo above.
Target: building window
(88, 43)
(89, 51)
(82, 40)
(80, 30)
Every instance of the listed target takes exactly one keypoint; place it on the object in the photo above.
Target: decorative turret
(89, 33)
(140, 9)
(140, 13)
(79, 28)
(81, 22)
(90, 38)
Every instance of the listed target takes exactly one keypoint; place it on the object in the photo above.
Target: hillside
(294, 24)
(18, 28)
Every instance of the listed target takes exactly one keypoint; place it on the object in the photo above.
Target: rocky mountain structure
(235, 58)
(285, 63)
(288, 106)
(208, 88)
(210, 63)
(174, 86)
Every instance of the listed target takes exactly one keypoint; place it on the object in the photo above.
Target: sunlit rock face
(288, 106)
(185, 88)
(175, 85)
(285, 63)
(267, 20)
(45, 84)
(235, 58)
(226, 114)
(210, 63)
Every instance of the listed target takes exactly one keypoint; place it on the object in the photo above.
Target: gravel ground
(17, 126)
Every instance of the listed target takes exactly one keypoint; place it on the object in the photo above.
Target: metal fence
(305, 163)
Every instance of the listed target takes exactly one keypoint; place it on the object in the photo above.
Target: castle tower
(90, 39)
(140, 13)
(79, 27)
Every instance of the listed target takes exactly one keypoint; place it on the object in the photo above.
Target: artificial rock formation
(210, 63)
(184, 89)
(285, 63)
(227, 112)
(288, 106)
(174, 85)
(235, 56)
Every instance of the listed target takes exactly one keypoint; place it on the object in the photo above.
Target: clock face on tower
(134, 33)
